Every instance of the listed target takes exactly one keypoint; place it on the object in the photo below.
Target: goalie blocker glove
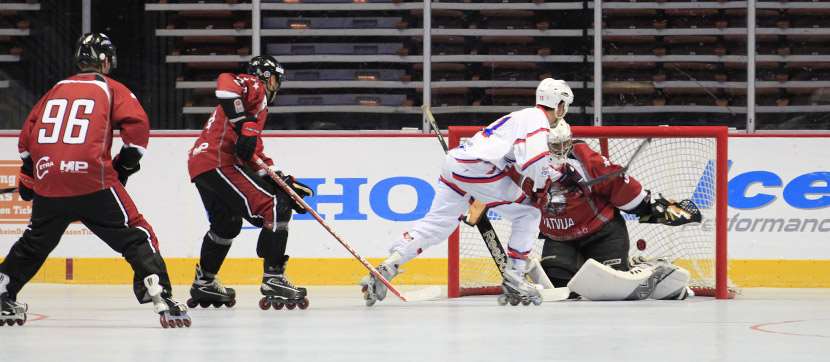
(667, 212)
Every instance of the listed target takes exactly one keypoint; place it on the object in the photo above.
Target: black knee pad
(285, 204)
(226, 229)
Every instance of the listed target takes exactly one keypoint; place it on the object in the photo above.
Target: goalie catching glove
(667, 212)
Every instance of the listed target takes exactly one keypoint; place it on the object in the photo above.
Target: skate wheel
(526, 302)
(303, 304)
(21, 322)
(278, 305)
(264, 304)
(290, 305)
(163, 322)
(231, 303)
(187, 322)
(9, 322)
(537, 302)
(179, 323)
(502, 299)
(514, 302)
(204, 304)
(218, 304)
(192, 303)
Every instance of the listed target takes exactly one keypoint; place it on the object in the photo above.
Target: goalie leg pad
(672, 284)
(596, 281)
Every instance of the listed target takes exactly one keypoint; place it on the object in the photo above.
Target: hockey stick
(8, 190)
(417, 296)
(485, 228)
(434, 125)
(623, 170)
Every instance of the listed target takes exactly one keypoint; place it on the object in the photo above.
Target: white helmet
(560, 141)
(551, 92)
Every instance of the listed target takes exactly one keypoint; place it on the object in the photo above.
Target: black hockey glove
(26, 180)
(668, 212)
(246, 142)
(301, 189)
(126, 163)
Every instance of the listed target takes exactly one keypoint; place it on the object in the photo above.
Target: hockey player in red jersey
(69, 175)
(222, 167)
(582, 221)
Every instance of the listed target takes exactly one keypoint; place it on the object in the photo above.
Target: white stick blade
(424, 294)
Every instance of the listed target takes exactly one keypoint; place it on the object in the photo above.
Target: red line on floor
(760, 328)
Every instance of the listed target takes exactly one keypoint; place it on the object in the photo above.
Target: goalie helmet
(551, 92)
(264, 66)
(560, 141)
(92, 48)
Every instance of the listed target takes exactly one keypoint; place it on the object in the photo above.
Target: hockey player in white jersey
(479, 168)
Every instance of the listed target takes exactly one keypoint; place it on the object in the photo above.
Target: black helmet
(92, 48)
(264, 66)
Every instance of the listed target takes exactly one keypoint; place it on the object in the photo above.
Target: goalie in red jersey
(70, 176)
(582, 222)
(223, 167)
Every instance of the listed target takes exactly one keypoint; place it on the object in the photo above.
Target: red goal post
(706, 254)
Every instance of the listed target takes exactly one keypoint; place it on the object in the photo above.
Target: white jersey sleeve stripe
(223, 94)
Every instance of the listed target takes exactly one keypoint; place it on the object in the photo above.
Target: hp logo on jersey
(74, 167)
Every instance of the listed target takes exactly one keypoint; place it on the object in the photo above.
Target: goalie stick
(478, 217)
(420, 295)
(623, 170)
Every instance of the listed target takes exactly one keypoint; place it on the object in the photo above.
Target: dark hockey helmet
(92, 48)
(264, 66)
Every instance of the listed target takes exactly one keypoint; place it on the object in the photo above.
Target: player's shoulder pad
(583, 151)
(118, 88)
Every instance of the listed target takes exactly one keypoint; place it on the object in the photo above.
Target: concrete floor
(103, 323)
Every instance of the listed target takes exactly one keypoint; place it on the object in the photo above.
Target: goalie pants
(609, 246)
(459, 182)
(231, 194)
(110, 214)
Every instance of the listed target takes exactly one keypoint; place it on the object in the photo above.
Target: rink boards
(372, 186)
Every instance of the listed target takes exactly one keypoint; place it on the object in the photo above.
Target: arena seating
(14, 25)
(670, 61)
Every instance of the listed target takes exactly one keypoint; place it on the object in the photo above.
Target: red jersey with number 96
(68, 134)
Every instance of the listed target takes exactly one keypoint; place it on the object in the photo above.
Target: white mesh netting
(677, 168)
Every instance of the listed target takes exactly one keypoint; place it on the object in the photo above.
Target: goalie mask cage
(682, 162)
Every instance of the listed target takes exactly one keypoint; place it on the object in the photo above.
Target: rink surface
(103, 323)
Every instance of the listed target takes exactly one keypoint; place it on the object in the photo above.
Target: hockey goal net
(679, 163)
